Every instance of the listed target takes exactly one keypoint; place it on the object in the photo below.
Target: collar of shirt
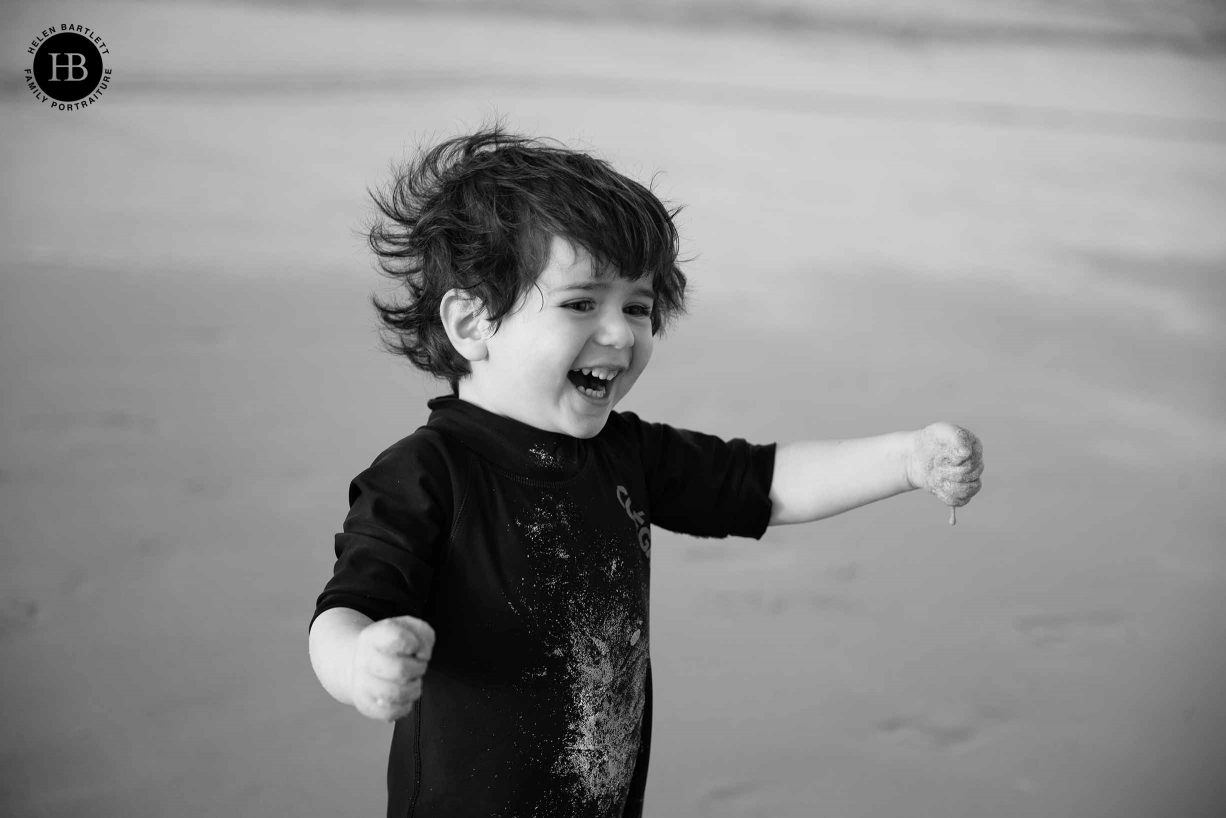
(509, 444)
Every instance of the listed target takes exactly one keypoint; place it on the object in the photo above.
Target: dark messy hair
(479, 213)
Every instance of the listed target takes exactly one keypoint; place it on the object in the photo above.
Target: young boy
(490, 593)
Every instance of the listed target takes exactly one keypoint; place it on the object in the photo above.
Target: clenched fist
(388, 663)
(947, 460)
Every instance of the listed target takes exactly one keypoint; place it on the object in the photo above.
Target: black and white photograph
(613, 409)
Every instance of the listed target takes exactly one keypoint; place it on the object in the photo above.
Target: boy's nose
(615, 331)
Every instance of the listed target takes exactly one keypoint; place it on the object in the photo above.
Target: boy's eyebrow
(592, 285)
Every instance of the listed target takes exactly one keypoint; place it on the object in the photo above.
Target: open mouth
(592, 382)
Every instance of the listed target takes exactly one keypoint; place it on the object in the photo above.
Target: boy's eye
(587, 305)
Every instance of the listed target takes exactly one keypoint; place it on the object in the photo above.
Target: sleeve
(702, 485)
(399, 520)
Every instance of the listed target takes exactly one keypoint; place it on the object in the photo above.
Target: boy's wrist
(334, 647)
(909, 453)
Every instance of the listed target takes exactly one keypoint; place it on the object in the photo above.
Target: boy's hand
(947, 460)
(390, 659)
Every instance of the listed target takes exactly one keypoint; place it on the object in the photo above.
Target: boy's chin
(587, 435)
(586, 423)
(585, 428)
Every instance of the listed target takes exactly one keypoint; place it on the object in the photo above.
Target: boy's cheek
(632, 377)
(644, 345)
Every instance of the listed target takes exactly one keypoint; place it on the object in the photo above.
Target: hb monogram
(71, 65)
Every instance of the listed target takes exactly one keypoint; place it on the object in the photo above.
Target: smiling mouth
(591, 384)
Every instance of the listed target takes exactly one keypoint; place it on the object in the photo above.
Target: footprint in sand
(17, 614)
(941, 731)
(209, 488)
(126, 421)
(730, 798)
(847, 572)
(1047, 630)
(773, 602)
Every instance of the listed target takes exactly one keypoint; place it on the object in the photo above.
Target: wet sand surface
(1022, 236)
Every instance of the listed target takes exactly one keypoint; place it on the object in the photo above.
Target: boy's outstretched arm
(815, 479)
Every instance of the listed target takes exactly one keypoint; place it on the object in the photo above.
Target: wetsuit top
(529, 552)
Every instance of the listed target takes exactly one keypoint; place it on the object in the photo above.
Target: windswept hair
(479, 213)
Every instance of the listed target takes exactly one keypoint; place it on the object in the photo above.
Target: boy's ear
(464, 321)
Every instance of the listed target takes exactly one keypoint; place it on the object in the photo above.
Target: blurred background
(1007, 214)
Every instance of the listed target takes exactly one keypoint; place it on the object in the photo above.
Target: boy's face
(570, 321)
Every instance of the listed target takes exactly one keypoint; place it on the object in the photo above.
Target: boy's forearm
(333, 641)
(815, 479)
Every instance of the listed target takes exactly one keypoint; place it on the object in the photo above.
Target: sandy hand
(947, 460)
(388, 664)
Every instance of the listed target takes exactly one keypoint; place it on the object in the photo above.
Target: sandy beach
(1007, 216)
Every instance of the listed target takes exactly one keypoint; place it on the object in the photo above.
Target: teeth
(600, 372)
(603, 374)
